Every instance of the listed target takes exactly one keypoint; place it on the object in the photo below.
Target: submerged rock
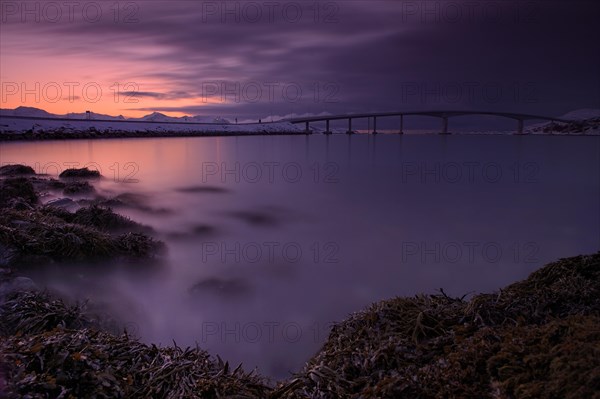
(230, 288)
(203, 189)
(256, 218)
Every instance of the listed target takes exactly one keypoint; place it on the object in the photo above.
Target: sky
(265, 59)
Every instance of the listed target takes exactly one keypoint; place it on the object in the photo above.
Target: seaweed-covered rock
(51, 348)
(16, 169)
(78, 188)
(17, 189)
(137, 245)
(559, 359)
(28, 311)
(49, 233)
(536, 338)
(105, 219)
(79, 173)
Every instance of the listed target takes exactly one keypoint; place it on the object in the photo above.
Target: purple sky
(255, 59)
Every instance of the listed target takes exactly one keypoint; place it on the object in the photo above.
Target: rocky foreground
(538, 338)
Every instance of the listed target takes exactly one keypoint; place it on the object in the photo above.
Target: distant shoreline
(97, 135)
(48, 136)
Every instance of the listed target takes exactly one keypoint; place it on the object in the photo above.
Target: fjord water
(272, 238)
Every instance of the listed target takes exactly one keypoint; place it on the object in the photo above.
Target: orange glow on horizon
(73, 83)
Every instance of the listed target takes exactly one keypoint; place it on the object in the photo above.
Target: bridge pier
(445, 125)
(519, 126)
(401, 124)
(307, 128)
(374, 125)
(327, 131)
(350, 126)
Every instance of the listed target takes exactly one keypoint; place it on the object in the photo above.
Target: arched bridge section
(443, 115)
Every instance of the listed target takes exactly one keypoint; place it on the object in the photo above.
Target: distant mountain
(93, 115)
(153, 117)
(158, 117)
(584, 121)
(27, 111)
(582, 114)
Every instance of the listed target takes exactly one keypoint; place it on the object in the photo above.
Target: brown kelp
(32, 233)
(54, 350)
(16, 190)
(536, 338)
(104, 219)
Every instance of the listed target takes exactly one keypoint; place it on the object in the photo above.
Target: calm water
(282, 235)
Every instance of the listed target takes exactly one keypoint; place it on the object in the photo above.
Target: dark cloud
(345, 56)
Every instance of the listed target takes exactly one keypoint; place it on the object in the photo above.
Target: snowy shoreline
(19, 128)
(26, 123)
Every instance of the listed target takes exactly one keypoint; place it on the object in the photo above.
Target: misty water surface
(273, 238)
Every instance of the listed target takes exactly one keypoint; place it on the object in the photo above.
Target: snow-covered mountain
(27, 111)
(582, 114)
(584, 121)
(93, 115)
(153, 117)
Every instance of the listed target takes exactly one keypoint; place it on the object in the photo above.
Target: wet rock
(105, 219)
(16, 169)
(19, 204)
(17, 284)
(61, 203)
(230, 288)
(79, 173)
(201, 230)
(7, 255)
(78, 188)
(256, 218)
(17, 188)
(203, 189)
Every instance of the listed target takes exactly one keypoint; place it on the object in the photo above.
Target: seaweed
(17, 189)
(104, 219)
(78, 188)
(16, 169)
(79, 173)
(437, 346)
(53, 234)
(52, 349)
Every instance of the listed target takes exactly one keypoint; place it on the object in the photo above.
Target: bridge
(443, 115)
